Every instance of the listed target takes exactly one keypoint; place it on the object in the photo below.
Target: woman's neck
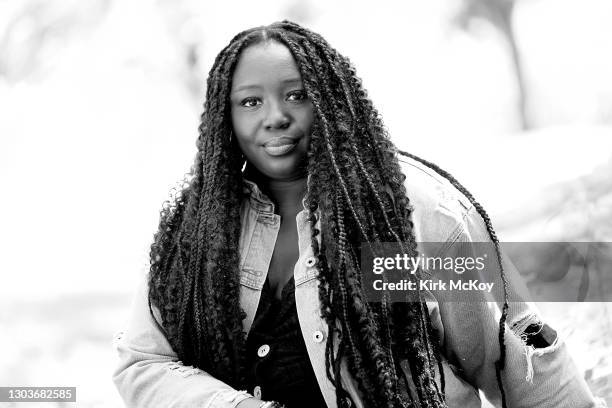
(286, 194)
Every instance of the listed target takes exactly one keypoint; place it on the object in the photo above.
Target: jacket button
(317, 336)
(310, 261)
(263, 350)
(257, 392)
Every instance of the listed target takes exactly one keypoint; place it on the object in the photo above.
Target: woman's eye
(296, 96)
(250, 102)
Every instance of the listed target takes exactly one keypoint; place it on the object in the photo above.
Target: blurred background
(99, 108)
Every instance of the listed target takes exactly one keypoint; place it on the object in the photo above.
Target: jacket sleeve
(534, 376)
(148, 373)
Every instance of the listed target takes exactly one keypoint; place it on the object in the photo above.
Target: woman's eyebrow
(292, 81)
(243, 87)
(295, 80)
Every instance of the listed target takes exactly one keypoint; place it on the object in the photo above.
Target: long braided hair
(194, 276)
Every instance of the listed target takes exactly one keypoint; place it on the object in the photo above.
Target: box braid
(329, 58)
(388, 376)
(194, 257)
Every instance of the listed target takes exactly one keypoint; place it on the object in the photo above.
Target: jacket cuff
(227, 399)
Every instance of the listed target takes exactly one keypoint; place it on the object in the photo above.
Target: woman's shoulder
(439, 208)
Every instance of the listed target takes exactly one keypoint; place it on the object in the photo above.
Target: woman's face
(271, 114)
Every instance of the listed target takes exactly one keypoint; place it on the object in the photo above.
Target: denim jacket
(148, 373)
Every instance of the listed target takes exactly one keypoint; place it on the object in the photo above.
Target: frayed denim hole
(538, 335)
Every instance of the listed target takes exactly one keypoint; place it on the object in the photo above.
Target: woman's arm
(537, 373)
(542, 375)
(149, 374)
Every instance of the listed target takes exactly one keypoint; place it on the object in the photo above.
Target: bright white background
(99, 107)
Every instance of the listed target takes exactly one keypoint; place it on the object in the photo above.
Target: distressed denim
(148, 373)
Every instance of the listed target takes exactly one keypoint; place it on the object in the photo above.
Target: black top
(277, 359)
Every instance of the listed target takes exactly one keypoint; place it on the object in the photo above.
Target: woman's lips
(280, 145)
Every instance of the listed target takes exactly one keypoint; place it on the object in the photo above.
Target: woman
(255, 291)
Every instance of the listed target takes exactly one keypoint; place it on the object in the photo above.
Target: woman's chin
(283, 167)
(288, 171)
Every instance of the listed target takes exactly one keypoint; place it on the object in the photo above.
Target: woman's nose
(276, 117)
